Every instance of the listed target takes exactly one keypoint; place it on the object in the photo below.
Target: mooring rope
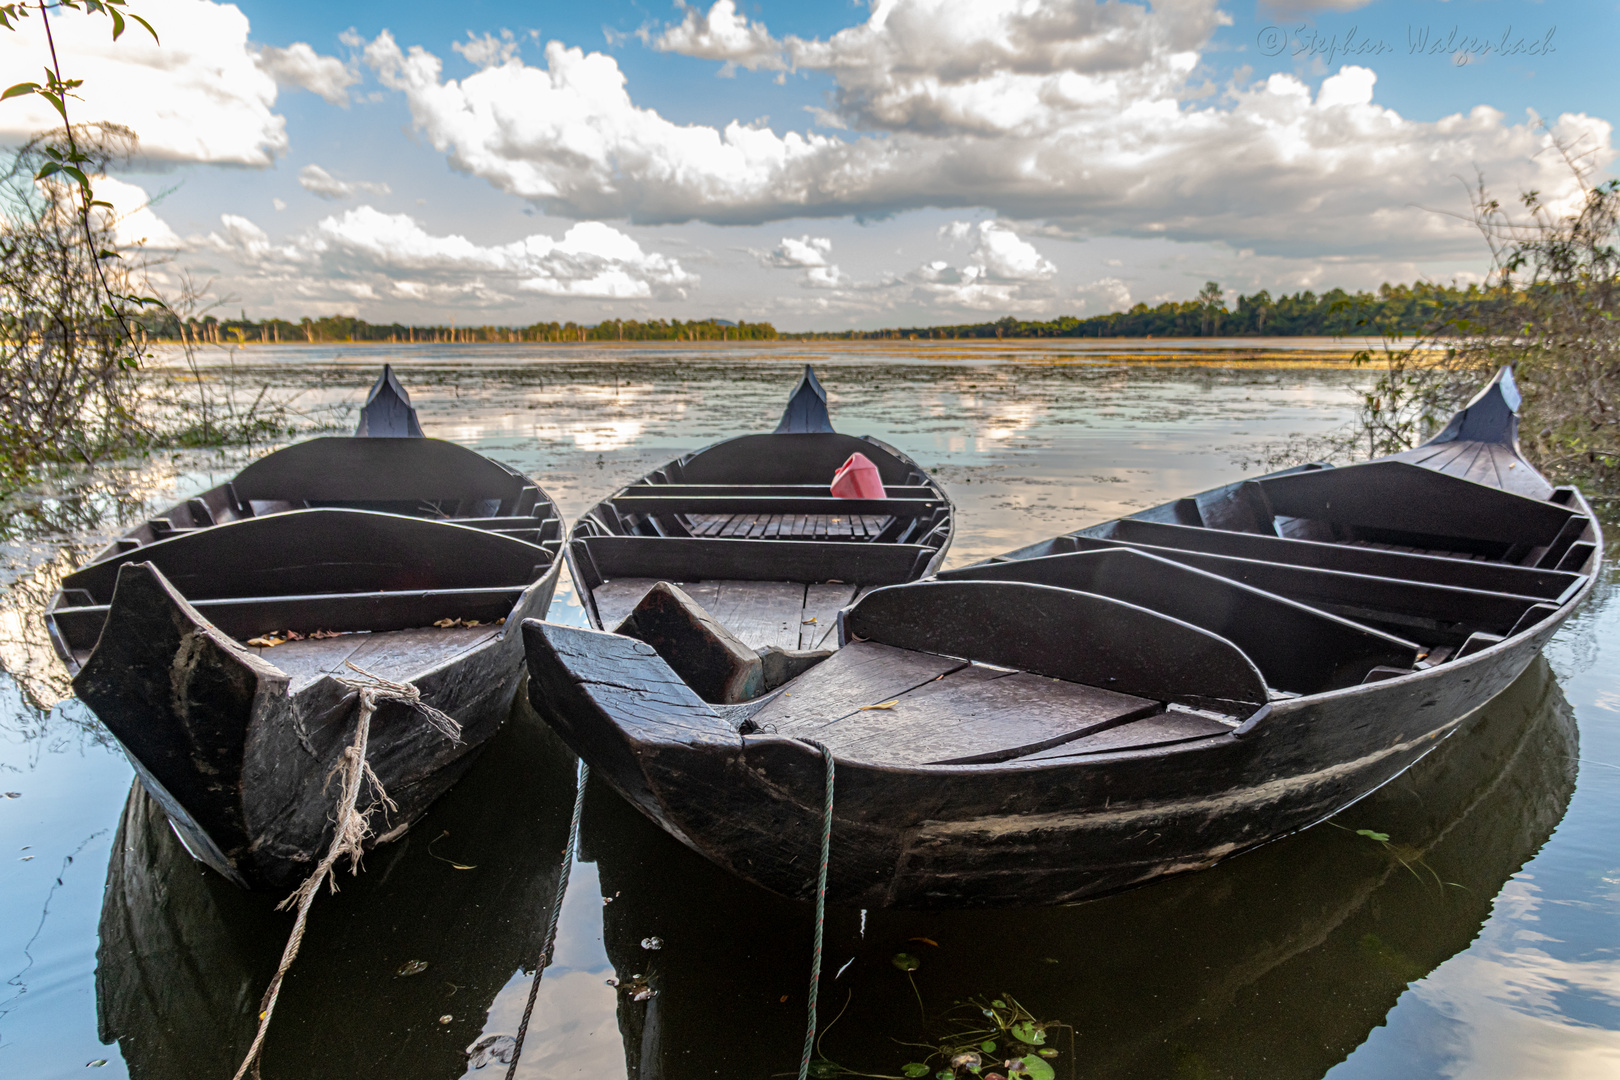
(556, 914)
(821, 908)
(352, 830)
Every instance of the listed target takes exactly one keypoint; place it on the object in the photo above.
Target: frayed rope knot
(353, 826)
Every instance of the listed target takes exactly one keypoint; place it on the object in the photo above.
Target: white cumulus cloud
(999, 253)
(134, 222)
(804, 251)
(1081, 112)
(200, 96)
(489, 50)
(720, 34)
(317, 181)
(301, 66)
(366, 253)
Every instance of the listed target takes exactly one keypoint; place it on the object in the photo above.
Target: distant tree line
(164, 326)
(1392, 309)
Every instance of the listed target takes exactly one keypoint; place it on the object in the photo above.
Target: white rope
(352, 831)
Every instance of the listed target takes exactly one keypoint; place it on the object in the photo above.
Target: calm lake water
(1481, 939)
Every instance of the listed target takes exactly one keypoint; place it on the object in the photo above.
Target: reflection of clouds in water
(25, 647)
(609, 435)
(574, 1032)
(1010, 418)
(1510, 1004)
(584, 416)
(48, 534)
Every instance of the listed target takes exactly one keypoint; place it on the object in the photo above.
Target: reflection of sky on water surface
(1025, 448)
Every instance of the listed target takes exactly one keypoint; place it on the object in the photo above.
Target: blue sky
(910, 162)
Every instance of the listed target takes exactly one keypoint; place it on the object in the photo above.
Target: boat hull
(240, 755)
(1022, 834)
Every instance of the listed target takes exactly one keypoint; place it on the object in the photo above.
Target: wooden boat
(1136, 699)
(434, 928)
(1180, 979)
(749, 527)
(211, 640)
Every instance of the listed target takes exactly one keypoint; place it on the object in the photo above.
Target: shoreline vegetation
(1392, 309)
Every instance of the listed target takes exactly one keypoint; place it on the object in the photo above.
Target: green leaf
(1381, 837)
(118, 23)
(906, 962)
(1047, 1052)
(73, 171)
(19, 90)
(56, 102)
(1031, 1068)
(988, 1046)
(147, 25)
(47, 169)
(915, 1068)
(998, 1003)
(1027, 1031)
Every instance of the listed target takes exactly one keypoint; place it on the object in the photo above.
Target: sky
(823, 165)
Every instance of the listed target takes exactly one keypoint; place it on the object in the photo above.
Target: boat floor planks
(1171, 726)
(979, 713)
(1138, 698)
(762, 613)
(861, 674)
(818, 620)
(392, 654)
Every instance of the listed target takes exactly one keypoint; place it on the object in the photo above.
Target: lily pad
(988, 1046)
(906, 962)
(1047, 1052)
(1027, 1031)
(1031, 1068)
(914, 1068)
(998, 1003)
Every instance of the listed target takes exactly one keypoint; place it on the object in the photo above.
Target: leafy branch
(70, 160)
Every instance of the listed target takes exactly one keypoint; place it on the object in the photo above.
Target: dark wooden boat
(1136, 699)
(1182, 979)
(749, 527)
(211, 640)
(434, 928)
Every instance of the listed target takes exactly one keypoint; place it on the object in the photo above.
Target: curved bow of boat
(806, 411)
(388, 411)
(1481, 443)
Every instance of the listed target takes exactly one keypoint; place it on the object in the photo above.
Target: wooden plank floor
(889, 706)
(787, 614)
(393, 654)
(788, 526)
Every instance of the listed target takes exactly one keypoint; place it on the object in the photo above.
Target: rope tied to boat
(556, 914)
(821, 907)
(352, 830)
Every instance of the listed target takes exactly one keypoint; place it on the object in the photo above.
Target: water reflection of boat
(433, 928)
(215, 641)
(1275, 964)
